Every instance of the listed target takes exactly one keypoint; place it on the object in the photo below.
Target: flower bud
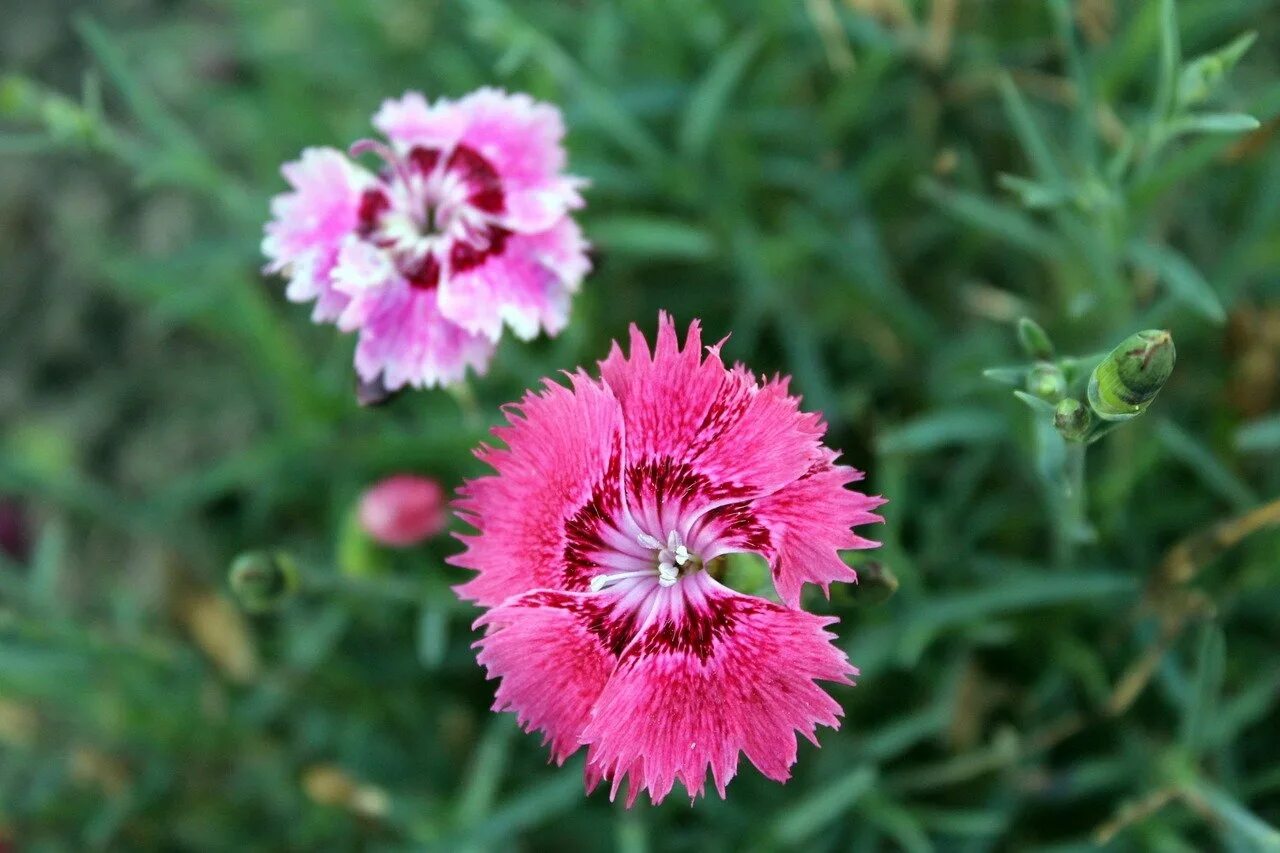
(1202, 75)
(1035, 342)
(262, 580)
(1046, 382)
(374, 393)
(1128, 379)
(876, 583)
(403, 510)
(15, 530)
(1072, 419)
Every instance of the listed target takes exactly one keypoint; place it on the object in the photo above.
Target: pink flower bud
(403, 510)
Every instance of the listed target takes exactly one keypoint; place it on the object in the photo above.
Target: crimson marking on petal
(465, 256)
(373, 203)
(424, 160)
(737, 523)
(483, 183)
(697, 629)
(583, 531)
(423, 273)
(614, 627)
(661, 482)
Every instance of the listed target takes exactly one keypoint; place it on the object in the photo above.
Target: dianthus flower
(598, 543)
(463, 229)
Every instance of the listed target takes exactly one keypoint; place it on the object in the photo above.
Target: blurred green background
(867, 194)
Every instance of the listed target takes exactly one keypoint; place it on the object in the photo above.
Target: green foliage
(868, 196)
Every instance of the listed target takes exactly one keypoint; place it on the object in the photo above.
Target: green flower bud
(1072, 419)
(1035, 342)
(262, 580)
(1046, 382)
(876, 583)
(1128, 379)
(1202, 75)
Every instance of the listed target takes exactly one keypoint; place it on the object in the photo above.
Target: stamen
(599, 582)
(387, 153)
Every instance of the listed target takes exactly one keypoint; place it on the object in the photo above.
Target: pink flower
(403, 510)
(597, 547)
(464, 229)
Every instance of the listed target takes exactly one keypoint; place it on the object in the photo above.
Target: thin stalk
(1072, 515)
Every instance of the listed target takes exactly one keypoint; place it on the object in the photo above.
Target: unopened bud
(1035, 342)
(1128, 379)
(262, 580)
(876, 583)
(1072, 419)
(1202, 75)
(403, 510)
(15, 530)
(1046, 382)
(374, 393)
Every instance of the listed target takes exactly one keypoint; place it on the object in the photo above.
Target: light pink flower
(403, 510)
(465, 228)
(597, 543)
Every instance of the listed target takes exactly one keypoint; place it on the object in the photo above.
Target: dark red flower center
(432, 212)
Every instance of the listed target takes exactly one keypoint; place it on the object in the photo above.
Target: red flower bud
(403, 510)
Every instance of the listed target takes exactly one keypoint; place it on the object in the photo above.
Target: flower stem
(1072, 517)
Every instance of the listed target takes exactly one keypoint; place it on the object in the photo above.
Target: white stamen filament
(672, 556)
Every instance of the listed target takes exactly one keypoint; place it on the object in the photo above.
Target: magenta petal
(528, 285)
(717, 424)
(805, 543)
(562, 459)
(712, 676)
(409, 120)
(550, 650)
(521, 137)
(407, 341)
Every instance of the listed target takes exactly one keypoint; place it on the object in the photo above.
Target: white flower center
(670, 557)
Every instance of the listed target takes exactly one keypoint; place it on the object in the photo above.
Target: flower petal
(809, 523)
(528, 284)
(552, 510)
(407, 341)
(410, 120)
(700, 434)
(519, 136)
(322, 208)
(800, 529)
(713, 674)
(553, 651)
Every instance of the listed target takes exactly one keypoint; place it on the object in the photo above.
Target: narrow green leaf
(652, 237)
(1213, 123)
(706, 106)
(1259, 436)
(1037, 404)
(997, 220)
(146, 107)
(809, 815)
(1200, 459)
(433, 635)
(487, 768)
(943, 428)
(1033, 195)
(1206, 688)
(551, 796)
(1170, 57)
(1016, 376)
(1184, 281)
(1014, 594)
(1237, 817)
(1034, 143)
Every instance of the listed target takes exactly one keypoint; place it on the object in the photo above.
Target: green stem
(1073, 523)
